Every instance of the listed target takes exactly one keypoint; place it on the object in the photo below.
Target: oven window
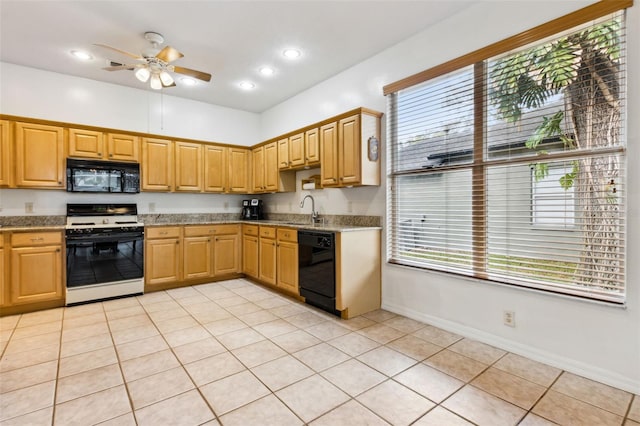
(104, 261)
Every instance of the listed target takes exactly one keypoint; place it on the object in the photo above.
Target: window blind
(512, 169)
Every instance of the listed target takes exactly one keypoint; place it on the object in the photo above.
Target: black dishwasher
(317, 269)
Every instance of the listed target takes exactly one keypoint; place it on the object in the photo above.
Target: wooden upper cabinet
(157, 164)
(86, 143)
(215, 168)
(283, 153)
(349, 150)
(239, 170)
(312, 147)
(296, 150)
(329, 154)
(188, 166)
(271, 167)
(121, 147)
(39, 155)
(98, 145)
(5, 155)
(257, 170)
(291, 152)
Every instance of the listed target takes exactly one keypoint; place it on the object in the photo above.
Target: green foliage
(567, 180)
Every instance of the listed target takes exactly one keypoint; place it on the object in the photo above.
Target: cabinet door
(4, 152)
(86, 143)
(288, 266)
(349, 147)
(239, 170)
(283, 153)
(271, 171)
(257, 175)
(250, 255)
(39, 156)
(329, 154)
(296, 150)
(36, 274)
(215, 170)
(188, 166)
(312, 146)
(162, 261)
(123, 147)
(197, 257)
(268, 260)
(157, 164)
(226, 254)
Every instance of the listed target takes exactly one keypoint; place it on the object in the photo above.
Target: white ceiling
(228, 39)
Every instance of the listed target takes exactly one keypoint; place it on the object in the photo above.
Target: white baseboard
(568, 364)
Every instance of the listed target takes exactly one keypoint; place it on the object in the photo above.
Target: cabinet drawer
(199, 230)
(227, 229)
(163, 232)
(286, 234)
(267, 232)
(36, 239)
(250, 230)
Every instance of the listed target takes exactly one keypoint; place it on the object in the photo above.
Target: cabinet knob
(99, 154)
(209, 240)
(341, 178)
(110, 155)
(57, 250)
(177, 242)
(289, 163)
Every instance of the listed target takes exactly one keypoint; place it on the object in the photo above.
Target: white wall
(598, 341)
(41, 94)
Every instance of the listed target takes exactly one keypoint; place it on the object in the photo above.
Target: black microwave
(102, 176)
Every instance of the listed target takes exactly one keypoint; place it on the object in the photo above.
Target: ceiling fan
(155, 63)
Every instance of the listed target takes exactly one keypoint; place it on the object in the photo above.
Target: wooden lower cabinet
(227, 254)
(287, 260)
(268, 255)
(191, 253)
(36, 267)
(162, 255)
(3, 271)
(197, 258)
(250, 251)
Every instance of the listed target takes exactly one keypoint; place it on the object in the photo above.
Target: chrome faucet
(314, 213)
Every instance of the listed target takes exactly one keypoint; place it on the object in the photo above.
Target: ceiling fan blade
(169, 54)
(192, 73)
(169, 85)
(120, 67)
(131, 55)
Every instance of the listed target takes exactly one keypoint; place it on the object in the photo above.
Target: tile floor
(234, 353)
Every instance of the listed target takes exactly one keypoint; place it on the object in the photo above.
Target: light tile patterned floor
(235, 353)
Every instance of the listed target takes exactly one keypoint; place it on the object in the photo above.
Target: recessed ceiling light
(247, 85)
(267, 71)
(188, 81)
(292, 53)
(81, 55)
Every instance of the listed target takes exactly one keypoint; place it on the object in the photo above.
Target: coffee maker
(252, 209)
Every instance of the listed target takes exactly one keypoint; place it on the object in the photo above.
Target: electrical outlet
(226, 205)
(290, 206)
(152, 207)
(509, 318)
(28, 207)
(350, 206)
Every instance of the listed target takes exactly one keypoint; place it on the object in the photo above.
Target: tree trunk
(594, 110)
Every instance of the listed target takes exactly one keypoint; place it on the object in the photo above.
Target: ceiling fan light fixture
(166, 78)
(155, 82)
(143, 74)
(247, 85)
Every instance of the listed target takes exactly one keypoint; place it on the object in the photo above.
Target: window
(552, 205)
(510, 168)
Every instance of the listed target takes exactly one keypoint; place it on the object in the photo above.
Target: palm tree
(584, 67)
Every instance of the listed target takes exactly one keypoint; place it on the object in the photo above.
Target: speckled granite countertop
(335, 223)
